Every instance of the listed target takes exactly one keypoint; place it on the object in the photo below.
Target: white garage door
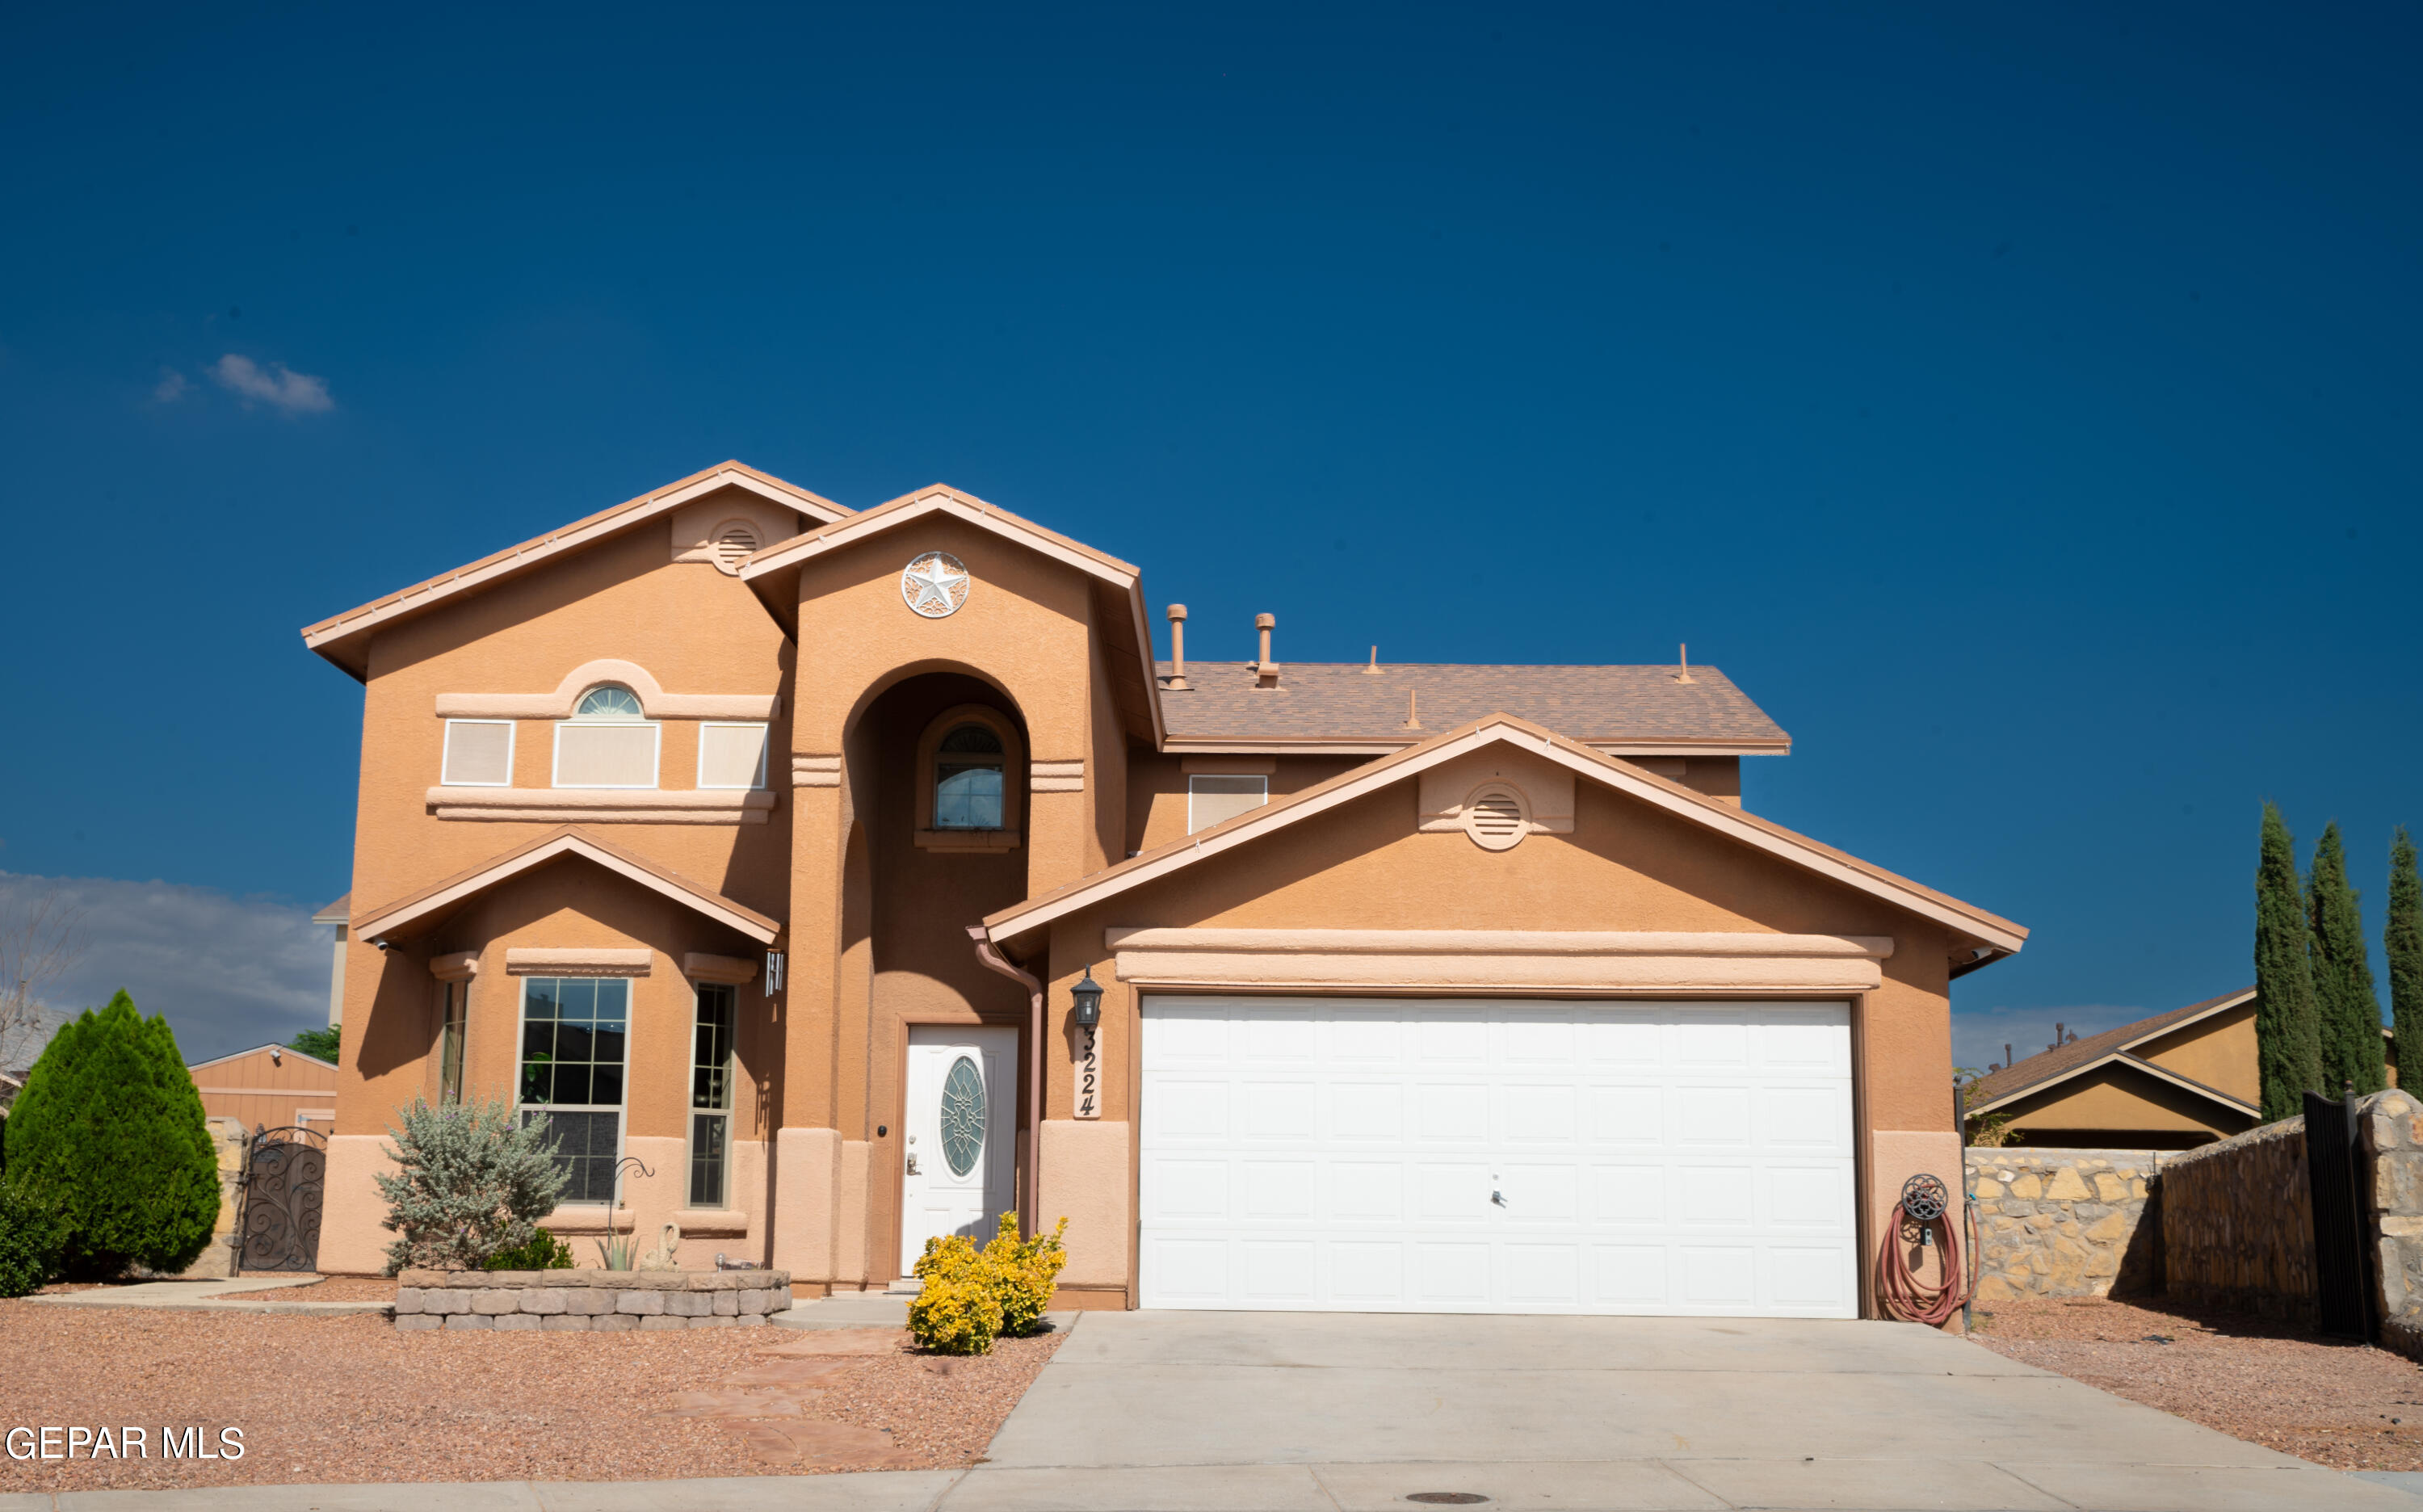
(1497, 1156)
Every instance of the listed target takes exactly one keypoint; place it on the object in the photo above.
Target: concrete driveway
(1262, 1410)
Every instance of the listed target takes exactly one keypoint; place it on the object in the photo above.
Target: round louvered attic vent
(733, 541)
(1495, 817)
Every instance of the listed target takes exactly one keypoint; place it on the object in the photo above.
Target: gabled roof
(342, 637)
(408, 915)
(1334, 708)
(2038, 1071)
(1995, 936)
(336, 913)
(281, 1049)
(773, 574)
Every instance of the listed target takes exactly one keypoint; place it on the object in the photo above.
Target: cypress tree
(2343, 994)
(108, 1137)
(2287, 1037)
(2402, 941)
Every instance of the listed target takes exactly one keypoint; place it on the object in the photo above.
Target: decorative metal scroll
(964, 1116)
(285, 1179)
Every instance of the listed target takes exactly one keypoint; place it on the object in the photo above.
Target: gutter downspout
(994, 961)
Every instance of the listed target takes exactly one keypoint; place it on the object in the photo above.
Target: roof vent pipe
(1266, 671)
(1373, 670)
(1178, 650)
(1683, 660)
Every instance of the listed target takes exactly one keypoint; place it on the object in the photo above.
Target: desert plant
(108, 1138)
(956, 1311)
(1991, 1132)
(544, 1252)
(1023, 1273)
(471, 1180)
(28, 1242)
(618, 1251)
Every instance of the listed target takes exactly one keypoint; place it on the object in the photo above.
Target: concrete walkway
(1162, 1412)
(224, 1295)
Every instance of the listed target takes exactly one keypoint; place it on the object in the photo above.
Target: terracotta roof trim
(1505, 728)
(565, 840)
(580, 533)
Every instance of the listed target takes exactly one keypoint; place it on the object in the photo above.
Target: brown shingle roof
(1318, 702)
(2052, 1065)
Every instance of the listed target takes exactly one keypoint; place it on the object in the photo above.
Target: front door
(959, 1165)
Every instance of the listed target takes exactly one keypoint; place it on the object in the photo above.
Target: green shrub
(472, 1180)
(108, 1137)
(544, 1252)
(28, 1244)
(971, 1296)
(320, 1044)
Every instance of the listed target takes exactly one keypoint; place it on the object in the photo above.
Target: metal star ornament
(935, 585)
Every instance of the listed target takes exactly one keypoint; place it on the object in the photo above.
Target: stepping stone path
(767, 1405)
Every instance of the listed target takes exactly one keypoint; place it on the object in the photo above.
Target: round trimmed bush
(108, 1137)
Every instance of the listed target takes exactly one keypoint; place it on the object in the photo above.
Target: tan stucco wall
(263, 1091)
(2115, 1101)
(2218, 1052)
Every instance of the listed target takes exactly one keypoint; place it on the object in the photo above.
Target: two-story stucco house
(782, 847)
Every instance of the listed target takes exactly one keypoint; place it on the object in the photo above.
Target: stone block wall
(2238, 1223)
(589, 1301)
(2390, 1175)
(2064, 1222)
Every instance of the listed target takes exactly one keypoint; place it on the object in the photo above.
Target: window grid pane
(710, 1095)
(967, 797)
(573, 1046)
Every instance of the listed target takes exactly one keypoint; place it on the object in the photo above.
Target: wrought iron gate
(2342, 1281)
(285, 1176)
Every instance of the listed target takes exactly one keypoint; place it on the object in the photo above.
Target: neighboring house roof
(238, 1055)
(336, 913)
(1996, 936)
(773, 573)
(2066, 1062)
(433, 902)
(1346, 709)
(344, 638)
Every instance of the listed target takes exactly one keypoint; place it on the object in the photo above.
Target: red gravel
(333, 1289)
(2344, 1405)
(348, 1399)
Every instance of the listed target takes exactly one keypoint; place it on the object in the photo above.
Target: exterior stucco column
(807, 1147)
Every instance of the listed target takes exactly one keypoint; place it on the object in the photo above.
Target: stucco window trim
(1498, 960)
(733, 971)
(578, 961)
(655, 754)
(628, 806)
(1013, 760)
(654, 701)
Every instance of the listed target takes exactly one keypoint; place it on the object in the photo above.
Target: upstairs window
(731, 756)
(479, 754)
(607, 742)
(968, 779)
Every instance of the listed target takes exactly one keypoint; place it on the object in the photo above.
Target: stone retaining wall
(2390, 1178)
(599, 1302)
(2063, 1223)
(2238, 1223)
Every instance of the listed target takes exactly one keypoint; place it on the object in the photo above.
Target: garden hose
(1924, 1205)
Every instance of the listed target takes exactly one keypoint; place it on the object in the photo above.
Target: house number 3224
(1089, 1071)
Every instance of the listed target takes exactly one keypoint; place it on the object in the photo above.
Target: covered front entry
(1497, 1155)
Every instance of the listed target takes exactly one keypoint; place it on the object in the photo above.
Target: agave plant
(619, 1253)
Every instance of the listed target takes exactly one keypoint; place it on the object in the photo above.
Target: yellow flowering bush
(971, 1297)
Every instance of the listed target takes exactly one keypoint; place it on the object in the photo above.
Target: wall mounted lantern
(1087, 997)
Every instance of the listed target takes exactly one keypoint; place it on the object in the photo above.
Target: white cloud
(277, 386)
(172, 386)
(227, 972)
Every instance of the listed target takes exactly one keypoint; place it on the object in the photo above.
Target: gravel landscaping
(2340, 1403)
(334, 1289)
(349, 1398)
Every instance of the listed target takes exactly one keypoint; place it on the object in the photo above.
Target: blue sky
(2018, 405)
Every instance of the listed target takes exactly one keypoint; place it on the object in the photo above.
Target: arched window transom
(968, 779)
(609, 700)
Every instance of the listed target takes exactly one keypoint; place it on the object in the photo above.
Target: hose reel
(1926, 1203)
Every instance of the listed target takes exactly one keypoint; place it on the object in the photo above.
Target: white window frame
(621, 1110)
(1225, 777)
(764, 746)
(690, 1112)
(446, 777)
(656, 755)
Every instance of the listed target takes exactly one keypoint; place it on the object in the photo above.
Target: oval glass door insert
(964, 1116)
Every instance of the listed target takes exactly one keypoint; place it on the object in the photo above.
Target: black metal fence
(2342, 1277)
